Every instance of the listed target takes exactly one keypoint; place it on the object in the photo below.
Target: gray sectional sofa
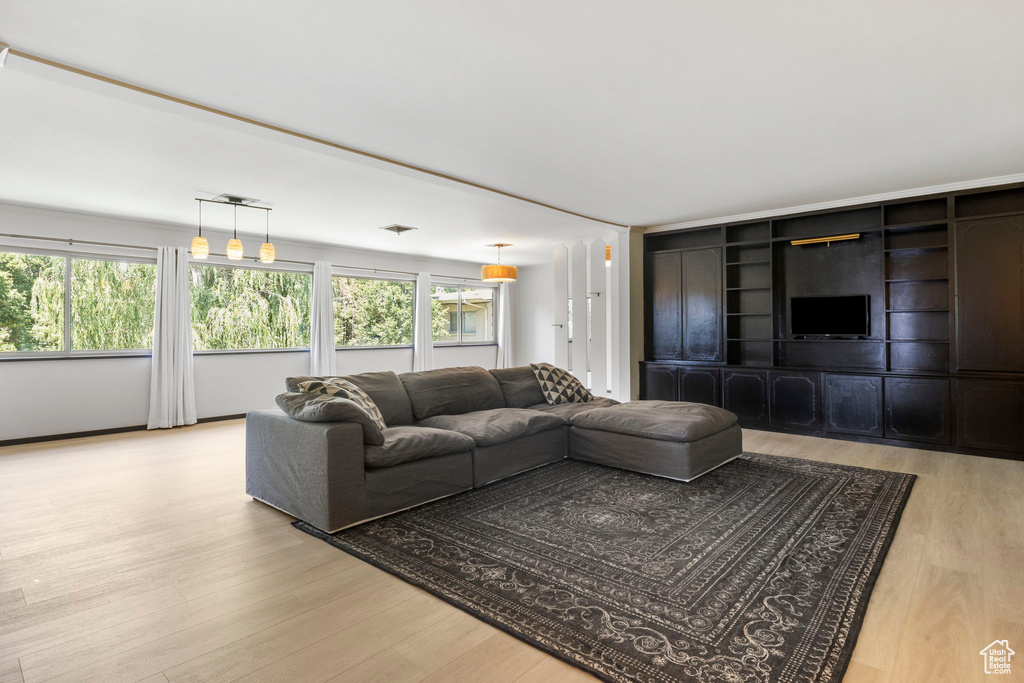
(460, 428)
(448, 431)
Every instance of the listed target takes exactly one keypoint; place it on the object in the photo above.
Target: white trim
(838, 203)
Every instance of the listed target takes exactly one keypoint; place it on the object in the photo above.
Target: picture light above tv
(830, 316)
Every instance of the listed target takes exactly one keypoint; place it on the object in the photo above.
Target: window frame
(67, 353)
(341, 273)
(494, 311)
(224, 262)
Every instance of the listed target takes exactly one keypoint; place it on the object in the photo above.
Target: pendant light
(607, 256)
(267, 252)
(498, 272)
(200, 247)
(234, 250)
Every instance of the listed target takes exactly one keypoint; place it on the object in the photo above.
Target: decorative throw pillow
(336, 386)
(323, 408)
(560, 386)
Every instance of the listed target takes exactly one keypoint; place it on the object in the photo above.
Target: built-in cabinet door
(917, 409)
(666, 306)
(853, 405)
(990, 294)
(700, 385)
(745, 392)
(990, 415)
(702, 304)
(796, 399)
(686, 305)
(660, 382)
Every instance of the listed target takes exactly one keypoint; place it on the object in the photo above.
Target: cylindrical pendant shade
(200, 247)
(498, 273)
(267, 253)
(608, 255)
(234, 250)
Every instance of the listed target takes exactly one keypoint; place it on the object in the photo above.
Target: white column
(561, 293)
(597, 279)
(578, 292)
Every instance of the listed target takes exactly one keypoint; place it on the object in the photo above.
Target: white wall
(40, 397)
(533, 314)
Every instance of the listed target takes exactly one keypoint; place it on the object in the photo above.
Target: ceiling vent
(398, 229)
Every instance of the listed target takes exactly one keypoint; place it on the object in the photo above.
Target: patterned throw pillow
(336, 386)
(559, 386)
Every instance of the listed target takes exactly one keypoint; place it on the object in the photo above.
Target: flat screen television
(829, 316)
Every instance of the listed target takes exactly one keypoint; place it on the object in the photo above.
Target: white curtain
(172, 392)
(423, 331)
(506, 351)
(322, 357)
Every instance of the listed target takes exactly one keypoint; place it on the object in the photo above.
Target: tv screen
(829, 315)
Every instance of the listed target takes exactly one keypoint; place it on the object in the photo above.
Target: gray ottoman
(664, 438)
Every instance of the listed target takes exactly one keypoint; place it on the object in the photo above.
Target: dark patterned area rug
(758, 571)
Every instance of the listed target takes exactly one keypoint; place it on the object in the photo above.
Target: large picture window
(463, 314)
(59, 304)
(246, 308)
(372, 312)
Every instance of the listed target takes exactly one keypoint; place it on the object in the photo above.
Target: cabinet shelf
(830, 341)
(749, 263)
(740, 289)
(917, 224)
(917, 310)
(748, 313)
(931, 247)
(916, 341)
(748, 339)
(918, 279)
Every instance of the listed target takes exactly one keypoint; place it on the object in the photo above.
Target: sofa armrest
(311, 470)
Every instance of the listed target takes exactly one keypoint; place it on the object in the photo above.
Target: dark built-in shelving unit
(942, 364)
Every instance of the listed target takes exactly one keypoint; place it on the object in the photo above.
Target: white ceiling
(637, 113)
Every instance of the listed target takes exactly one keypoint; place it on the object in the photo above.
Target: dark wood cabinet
(745, 392)
(795, 399)
(990, 415)
(659, 382)
(666, 306)
(917, 409)
(686, 289)
(941, 363)
(853, 405)
(700, 385)
(990, 294)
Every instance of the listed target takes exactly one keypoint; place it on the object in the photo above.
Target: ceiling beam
(302, 136)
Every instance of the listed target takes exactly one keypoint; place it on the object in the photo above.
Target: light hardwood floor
(138, 557)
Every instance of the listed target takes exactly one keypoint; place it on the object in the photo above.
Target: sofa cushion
(519, 386)
(408, 443)
(567, 410)
(451, 391)
(323, 408)
(560, 386)
(384, 388)
(337, 386)
(490, 427)
(663, 420)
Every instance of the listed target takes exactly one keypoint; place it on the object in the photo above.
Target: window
(463, 315)
(372, 312)
(59, 304)
(245, 308)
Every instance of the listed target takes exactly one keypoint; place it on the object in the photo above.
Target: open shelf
(742, 289)
(933, 247)
(748, 263)
(918, 279)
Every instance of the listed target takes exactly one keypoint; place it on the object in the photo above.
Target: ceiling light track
(301, 136)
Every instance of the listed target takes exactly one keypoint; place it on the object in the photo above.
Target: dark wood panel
(919, 356)
(990, 294)
(990, 415)
(918, 295)
(702, 305)
(853, 405)
(917, 409)
(666, 308)
(700, 385)
(660, 382)
(796, 400)
(745, 392)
